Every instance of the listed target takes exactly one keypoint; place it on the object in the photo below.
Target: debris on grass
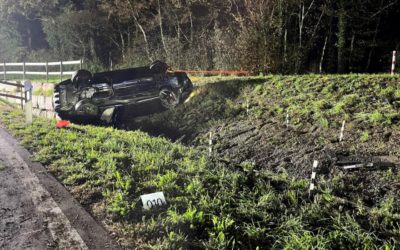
(62, 124)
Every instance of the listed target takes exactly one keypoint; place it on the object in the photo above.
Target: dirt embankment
(284, 123)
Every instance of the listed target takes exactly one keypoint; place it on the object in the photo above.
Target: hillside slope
(247, 118)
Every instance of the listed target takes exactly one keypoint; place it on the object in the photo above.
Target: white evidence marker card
(153, 200)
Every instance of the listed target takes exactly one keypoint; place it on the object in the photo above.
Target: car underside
(99, 98)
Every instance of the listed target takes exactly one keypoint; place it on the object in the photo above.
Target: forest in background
(268, 36)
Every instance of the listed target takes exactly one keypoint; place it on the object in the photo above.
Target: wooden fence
(19, 86)
(25, 97)
(22, 71)
(14, 91)
(42, 105)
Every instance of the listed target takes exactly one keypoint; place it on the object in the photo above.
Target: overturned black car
(101, 97)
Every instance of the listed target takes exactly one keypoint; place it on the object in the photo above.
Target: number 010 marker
(153, 200)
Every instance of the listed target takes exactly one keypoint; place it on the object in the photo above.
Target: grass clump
(364, 136)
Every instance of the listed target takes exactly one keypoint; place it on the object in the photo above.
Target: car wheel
(169, 98)
(81, 78)
(158, 67)
(117, 117)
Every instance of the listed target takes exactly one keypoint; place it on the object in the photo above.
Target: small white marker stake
(150, 201)
(210, 143)
(313, 175)
(287, 118)
(28, 101)
(393, 63)
(342, 131)
(247, 106)
(356, 166)
(353, 166)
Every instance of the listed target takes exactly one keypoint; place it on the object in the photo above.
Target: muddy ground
(272, 145)
(268, 143)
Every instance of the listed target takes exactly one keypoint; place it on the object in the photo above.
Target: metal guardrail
(46, 73)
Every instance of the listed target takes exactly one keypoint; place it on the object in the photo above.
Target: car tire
(117, 117)
(169, 98)
(81, 78)
(158, 67)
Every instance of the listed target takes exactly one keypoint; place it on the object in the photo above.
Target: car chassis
(99, 98)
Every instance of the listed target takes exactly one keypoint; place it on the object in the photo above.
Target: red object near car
(62, 124)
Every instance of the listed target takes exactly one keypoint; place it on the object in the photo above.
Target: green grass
(212, 203)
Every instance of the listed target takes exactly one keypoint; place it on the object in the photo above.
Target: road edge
(95, 238)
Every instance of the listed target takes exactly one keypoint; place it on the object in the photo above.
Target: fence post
(28, 101)
(61, 70)
(81, 64)
(393, 62)
(47, 72)
(5, 71)
(24, 70)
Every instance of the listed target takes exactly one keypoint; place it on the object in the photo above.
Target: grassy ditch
(234, 201)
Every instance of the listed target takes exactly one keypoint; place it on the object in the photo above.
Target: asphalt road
(36, 211)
